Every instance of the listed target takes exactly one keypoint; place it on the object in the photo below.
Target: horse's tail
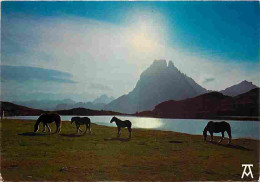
(58, 123)
(89, 123)
(130, 124)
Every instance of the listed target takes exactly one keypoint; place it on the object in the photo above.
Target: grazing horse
(217, 127)
(48, 118)
(81, 121)
(122, 124)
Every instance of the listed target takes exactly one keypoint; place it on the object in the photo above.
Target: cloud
(97, 86)
(207, 80)
(26, 73)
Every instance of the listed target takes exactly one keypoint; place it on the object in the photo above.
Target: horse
(217, 127)
(81, 121)
(48, 118)
(122, 124)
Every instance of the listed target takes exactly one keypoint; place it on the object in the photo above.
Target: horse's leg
(48, 127)
(229, 136)
(130, 131)
(78, 128)
(118, 132)
(211, 136)
(221, 137)
(86, 128)
(89, 129)
(43, 127)
(58, 127)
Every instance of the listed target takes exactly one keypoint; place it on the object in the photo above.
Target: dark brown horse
(122, 124)
(48, 118)
(217, 127)
(81, 121)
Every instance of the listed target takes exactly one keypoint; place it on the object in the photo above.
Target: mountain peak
(239, 88)
(246, 82)
(170, 64)
(161, 63)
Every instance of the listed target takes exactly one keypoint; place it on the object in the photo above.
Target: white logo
(249, 170)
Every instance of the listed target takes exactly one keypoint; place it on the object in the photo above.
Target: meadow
(150, 155)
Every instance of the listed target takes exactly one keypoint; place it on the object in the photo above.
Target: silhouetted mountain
(157, 83)
(209, 105)
(87, 105)
(103, 99)
(86, 112)
(11, 109)
(240, 88)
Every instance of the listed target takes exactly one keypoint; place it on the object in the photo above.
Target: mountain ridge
(209, 105)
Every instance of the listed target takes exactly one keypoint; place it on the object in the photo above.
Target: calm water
(240, 129)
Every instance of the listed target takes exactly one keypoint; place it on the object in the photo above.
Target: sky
(81, 50)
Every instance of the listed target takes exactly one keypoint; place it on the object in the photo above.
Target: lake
(239, 129)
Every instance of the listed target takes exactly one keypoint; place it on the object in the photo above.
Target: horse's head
(72, 120)
(40, 119)
(36, 127)
(113, 119)
(205, 133)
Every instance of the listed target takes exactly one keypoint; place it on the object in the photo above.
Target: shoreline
(152, 129)
(234, 118)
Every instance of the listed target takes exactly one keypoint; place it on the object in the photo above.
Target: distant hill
(160, 82)
(86, 112)
(209, 105)
(11, 109)
(238, 89)
(49, 105)
(97, 104)
(87, 105)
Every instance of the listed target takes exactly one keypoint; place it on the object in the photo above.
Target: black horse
(48, 118)
(81, 121)
(217, 127)
(122, 124)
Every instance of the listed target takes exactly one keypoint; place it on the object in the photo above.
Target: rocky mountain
(158, 83)
(209, 105)
(103, 99)
(239, 88)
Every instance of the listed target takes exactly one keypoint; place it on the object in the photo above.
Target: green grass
(150, 155)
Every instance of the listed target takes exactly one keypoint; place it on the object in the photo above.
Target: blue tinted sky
(229, 29)
(208, 41)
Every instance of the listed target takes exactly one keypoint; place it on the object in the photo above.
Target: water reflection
(147, 123)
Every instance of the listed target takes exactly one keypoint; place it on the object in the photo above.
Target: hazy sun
(142, 42)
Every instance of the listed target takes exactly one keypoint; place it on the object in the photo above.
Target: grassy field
(150, 155)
